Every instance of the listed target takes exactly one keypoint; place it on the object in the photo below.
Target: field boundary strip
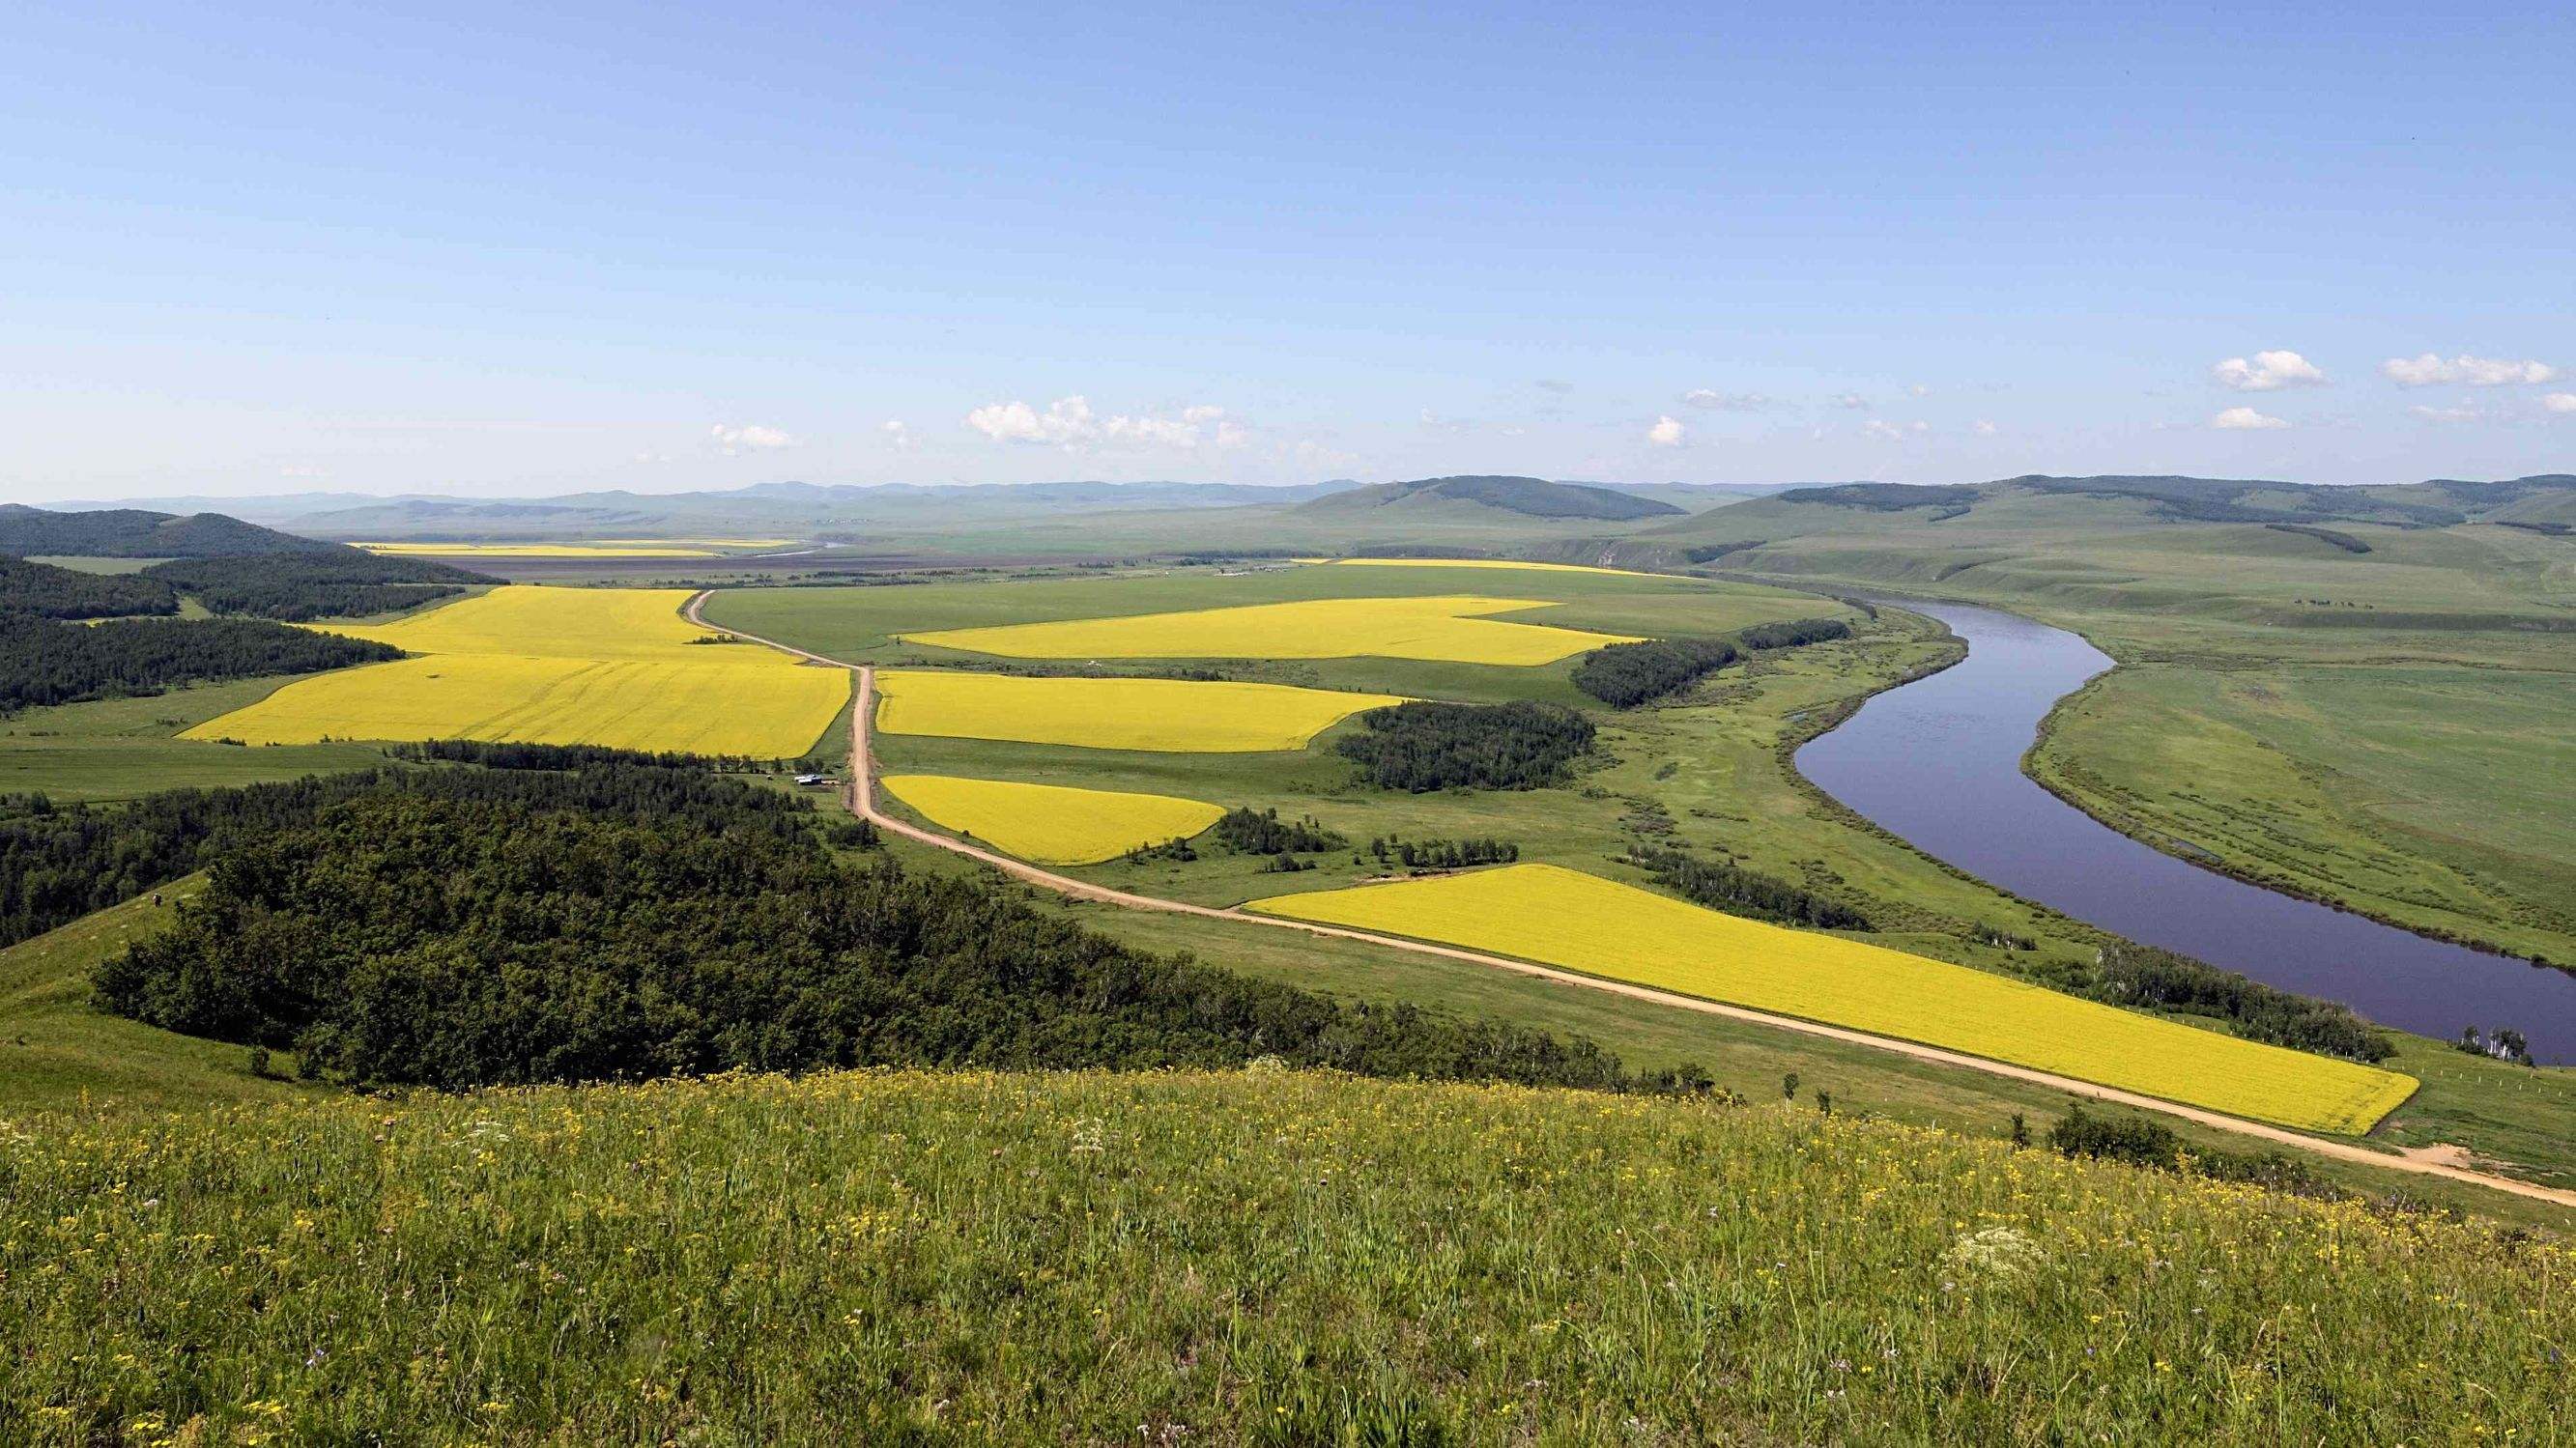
(861, 799)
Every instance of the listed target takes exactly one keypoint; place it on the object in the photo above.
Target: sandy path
(862, 802)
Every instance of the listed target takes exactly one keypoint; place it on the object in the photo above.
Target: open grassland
(602, 548)
(1261, 1257)
(1449, 628)
(116, 749)
(1047, 823)
(2437, 796)
(556, 666)
(57, 1053)
(1168, 715)
(1561, 917)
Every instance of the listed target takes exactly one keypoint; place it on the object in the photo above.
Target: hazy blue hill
(140, 533)
(1529, 497)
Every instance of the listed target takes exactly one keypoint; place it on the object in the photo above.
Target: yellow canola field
(610, 666)
(604, 548)
(1600, 927)
(1445, 628)
(1051, 824)
(1169, 716)
(1483, 563)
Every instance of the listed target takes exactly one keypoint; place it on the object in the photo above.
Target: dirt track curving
(861, 797)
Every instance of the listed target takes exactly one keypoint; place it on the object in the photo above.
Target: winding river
(1938, 761)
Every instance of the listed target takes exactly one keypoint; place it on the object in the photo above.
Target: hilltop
(1528, 497)
(1257, 1256)
(141, 533)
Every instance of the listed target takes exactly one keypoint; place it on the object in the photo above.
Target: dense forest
(299, 587)
(399, 937)
(1442, 854)
(58, 863)
(40, 590)
(1723, 885)
(44, 662)
(1626, 675)
(1427, 746)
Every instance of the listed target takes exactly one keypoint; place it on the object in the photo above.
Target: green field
(115, 749)
(1263, 1257)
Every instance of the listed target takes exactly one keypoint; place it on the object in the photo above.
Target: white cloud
(2429, 370)
(1985, 428)
(1667, 432)
(1726, 401)
(1852, 400)
(2465, 412)
(2244, 419)
(897, 436)
(1881, 428)
(2560, 402)
(2268, 372)
(751, 437)
(1069, 423)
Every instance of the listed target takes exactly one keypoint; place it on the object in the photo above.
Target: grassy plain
(1600, 927)
(1245, 1257)
(1048, 823)
(557, 666)
(602, 548)
(1451, 629)
(1168, 715)
(118, 749)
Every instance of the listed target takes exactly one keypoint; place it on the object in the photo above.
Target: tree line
(1249, 831)
(1426, 746)
(45, 662)
(41, 590)
(299, 587)
(406, 938)
(1626, 675)
(2144, 975)
(1442, 854)
(517, 755)
(1725, 885)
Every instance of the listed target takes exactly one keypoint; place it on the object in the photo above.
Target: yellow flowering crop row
(611, 666)
(1600, 927)
(1165, 715)
(1449, 629)
(1048, 823)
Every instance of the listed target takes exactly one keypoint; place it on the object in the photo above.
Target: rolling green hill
(1529, 497)
(1255, 1256)
(137, 533)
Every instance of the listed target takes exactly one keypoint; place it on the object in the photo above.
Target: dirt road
(862, 801)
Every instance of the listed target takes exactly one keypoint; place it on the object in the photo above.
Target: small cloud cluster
(1667, 432)
(1887, 431)
(2562, 402)
(2245, 419)
(1069, 422)
(1726, 401)
(2431, 370)
(2266, 372)
(897, 436)
(735, 441)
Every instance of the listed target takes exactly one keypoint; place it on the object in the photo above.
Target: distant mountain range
(829, 512)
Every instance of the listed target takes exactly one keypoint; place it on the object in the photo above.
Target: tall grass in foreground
(1262, 1256)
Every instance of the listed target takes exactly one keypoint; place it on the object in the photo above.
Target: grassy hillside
(1265, 1257)
(140, 533)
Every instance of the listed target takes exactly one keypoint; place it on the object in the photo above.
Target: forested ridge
(1626, 675)
(41, 590)
(46, 662)
(455, 937)
(299, 587)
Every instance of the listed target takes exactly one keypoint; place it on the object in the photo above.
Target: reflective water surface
(1939, 762)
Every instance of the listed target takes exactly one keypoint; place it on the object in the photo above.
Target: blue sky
(505, 249)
